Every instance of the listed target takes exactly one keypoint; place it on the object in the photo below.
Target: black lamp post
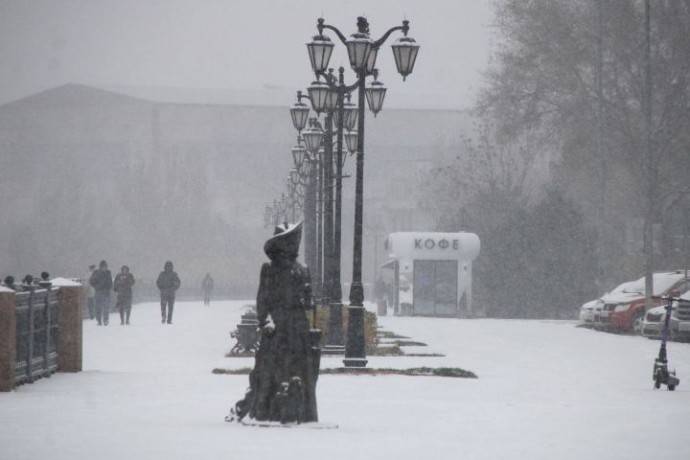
(313, 138)
(343, 117)
(299, 113)
(328, 97)
(362, 53)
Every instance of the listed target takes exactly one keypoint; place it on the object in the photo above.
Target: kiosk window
(435, 287)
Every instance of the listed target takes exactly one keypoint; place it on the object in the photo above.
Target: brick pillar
(70, 326)
(8, 340)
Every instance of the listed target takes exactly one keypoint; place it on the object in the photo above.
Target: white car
(587, 312)
(653, 324)
(680, 319)
(621, 295)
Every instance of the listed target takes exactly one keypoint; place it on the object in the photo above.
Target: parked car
(653, 324)
(626, 312)
(680, 319)
(619, 295)
(587, 312)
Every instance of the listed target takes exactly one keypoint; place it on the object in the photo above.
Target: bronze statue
(283, 382)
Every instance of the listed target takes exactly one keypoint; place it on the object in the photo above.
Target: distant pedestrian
(380, 296)
(90, 293)
(168, 282)
(102, 282)
(207, 288)
(123, 286)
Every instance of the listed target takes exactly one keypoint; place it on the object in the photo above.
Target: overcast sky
(233, 45)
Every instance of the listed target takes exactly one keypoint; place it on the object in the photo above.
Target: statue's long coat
(286, 353)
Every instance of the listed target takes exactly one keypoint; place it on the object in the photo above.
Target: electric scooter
(661, 375)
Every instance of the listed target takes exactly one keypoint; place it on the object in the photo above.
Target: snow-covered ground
(546, 390)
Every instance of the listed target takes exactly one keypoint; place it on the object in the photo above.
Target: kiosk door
(423, 288)
(435, 287)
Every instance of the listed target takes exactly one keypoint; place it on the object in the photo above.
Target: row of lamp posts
(315, 184)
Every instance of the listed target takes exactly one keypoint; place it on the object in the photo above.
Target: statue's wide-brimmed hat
(285, 239)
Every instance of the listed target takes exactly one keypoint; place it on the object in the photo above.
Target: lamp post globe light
(318, 94)
(299, 113)
(320, 50)
(375, 93)
(351, 139)
(405, 53)
(299, 154)
(350, 112)
(313, 137)
(362, 54)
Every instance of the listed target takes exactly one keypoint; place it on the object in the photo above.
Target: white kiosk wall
(434, 272)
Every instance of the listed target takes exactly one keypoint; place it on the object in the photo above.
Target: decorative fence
(37, 334)
(40, 331)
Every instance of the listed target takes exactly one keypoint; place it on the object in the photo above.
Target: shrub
(370, 326)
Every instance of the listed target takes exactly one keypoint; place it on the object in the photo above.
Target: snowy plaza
(546, 389)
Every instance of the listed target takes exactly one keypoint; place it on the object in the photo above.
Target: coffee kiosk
(428, 274)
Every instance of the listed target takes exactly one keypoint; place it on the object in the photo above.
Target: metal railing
(37, 333)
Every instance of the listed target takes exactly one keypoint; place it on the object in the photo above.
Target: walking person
(123, 286)
(102, 282)
(90, 294)
(207, 288)
(168, 282)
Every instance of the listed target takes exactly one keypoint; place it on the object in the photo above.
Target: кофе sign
(430, 243)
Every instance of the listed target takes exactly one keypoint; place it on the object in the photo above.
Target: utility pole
(600, 147)
(650, 166)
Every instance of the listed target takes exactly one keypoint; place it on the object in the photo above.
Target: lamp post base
(334, 340)
(355, 355)
(333, 350)
(355, 362)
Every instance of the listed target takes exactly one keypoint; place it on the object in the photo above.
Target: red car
(627, 312)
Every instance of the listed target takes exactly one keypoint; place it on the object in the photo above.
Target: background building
(95, 174)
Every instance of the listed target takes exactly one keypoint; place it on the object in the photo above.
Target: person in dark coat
(102, 282)
(123, 286)
(283, 381)
(168, 282)
(207, 288)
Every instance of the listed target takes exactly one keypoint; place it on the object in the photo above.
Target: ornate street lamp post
(313, 138)
(362, 53)
(328, 97)
(299, 113)
(325, 100)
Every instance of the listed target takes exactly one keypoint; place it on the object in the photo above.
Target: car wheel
(637, 324)
(671, 387)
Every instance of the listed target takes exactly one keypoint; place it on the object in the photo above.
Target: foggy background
(142, 131)
(248, 45)
(146, 131)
